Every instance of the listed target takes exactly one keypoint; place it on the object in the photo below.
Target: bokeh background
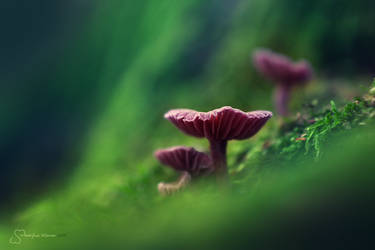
(84, 84)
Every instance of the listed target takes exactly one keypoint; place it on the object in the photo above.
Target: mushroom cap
(184, 159)
(221, 124)
(280, 68)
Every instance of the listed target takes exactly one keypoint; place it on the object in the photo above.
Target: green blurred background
(84, 85)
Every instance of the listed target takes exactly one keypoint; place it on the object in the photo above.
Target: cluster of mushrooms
(224, 124)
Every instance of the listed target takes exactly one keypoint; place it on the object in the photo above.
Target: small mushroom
(186, 160)
(285, 73)
(219, 126)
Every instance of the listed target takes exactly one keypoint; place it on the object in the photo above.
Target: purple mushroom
(183, 158)
(186, 160)
(286, 74)
(219, 126)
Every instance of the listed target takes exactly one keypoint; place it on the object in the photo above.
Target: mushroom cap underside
(221, 124)
(184, 159)
(280, 68)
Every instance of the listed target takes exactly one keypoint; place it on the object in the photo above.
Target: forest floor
(296, 168)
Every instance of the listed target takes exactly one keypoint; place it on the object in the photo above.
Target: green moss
(309, 133)
(269, 173)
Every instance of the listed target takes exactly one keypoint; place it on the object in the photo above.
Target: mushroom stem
(219, 157)
(281, 99)
(170, 188)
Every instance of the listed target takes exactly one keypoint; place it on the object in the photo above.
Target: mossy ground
(289, 167)
(292, 181)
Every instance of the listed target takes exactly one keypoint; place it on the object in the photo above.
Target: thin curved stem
(170, 188)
